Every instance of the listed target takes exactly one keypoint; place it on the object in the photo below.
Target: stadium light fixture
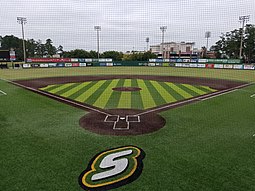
(97, 28)
(242, 19)
(23, 21)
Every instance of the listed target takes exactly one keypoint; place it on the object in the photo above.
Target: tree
(49, 48)
(249, 44)
(229, 44)
(116, 56)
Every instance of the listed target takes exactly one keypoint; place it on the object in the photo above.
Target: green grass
(152, 93)
(204, 146)
(240, 75)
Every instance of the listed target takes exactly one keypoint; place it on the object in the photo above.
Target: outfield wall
(235, 64)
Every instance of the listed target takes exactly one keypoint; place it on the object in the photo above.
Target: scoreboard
(4, 55)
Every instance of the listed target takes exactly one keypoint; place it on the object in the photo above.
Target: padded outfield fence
(178, 62)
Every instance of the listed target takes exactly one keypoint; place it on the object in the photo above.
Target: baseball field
(185, 129)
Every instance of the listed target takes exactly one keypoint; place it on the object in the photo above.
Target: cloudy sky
(125, 23)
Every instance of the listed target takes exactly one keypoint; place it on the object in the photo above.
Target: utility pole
(97, 28)
(163, 29)
(22, 21)
(242, 20)
(147, 41)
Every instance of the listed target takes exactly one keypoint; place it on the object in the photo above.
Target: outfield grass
(240, 75)
(208, 145)
(101, 94)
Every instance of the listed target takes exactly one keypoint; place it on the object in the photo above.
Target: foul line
(56, 97)
(2, 93)
(201, 98)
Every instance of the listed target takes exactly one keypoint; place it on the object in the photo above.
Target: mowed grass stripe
(136, 100)
(175, 91)
(66, 89)
(158, 99)
(61, 87)
(104, 97)
(82, 90)
(164, 94)
(182, 90)
(125, 97)
(194, 88)
(75, 89)
(170, 91)
(147, 99)
(115, 96)
(207, 89)
(85, 95)
(98, 91)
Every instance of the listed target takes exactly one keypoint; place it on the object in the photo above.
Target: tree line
(38, 49)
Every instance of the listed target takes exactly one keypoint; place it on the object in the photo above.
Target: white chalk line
(201, 98)
(2, 93)
(56, 97)
(253, 95)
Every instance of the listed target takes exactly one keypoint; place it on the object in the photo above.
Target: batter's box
(121, 125)
(112, 118)
(133, 118)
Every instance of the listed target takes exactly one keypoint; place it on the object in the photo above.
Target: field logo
(113, 168)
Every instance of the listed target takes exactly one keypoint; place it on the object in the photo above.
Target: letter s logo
(113, 168)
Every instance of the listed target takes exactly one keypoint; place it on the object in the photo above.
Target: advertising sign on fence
(74, 60)
(75, 64)
(60, 64)
(44, 65)
(228, 66)
(151, 64)
(202, 60)
(26, 65)
(48, 60)
(249, 67)
(201, 65)
(109, 64)
(186, 60)
(52, 65)
(88, 59)
(193, 65)
(68, 64)
(238, 66)
(82, 64)
(209, 65)
(185, 65)
(218, 66)
(178, 64)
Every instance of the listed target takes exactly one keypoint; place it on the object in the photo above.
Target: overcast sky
(125, 23)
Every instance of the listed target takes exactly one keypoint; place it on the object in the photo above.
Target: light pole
(22, 21)
(242, 19)
(163, 29)
(147, 41)
(207, 36)
(97, 28)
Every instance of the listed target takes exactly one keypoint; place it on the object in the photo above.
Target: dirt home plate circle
(122, 122)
